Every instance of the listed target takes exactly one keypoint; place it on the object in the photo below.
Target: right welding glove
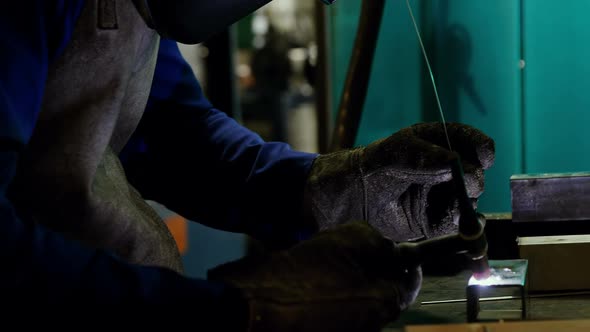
(349, 278)
(403, 184)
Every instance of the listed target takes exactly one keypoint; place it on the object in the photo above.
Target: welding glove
(402, 184)
(349, 278)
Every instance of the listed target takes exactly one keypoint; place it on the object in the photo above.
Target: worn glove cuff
(335, 192)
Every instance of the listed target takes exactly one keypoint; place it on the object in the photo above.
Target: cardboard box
(556, 263)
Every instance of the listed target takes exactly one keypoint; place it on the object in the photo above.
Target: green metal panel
(393, 100)
(557, 77)
(477, 47)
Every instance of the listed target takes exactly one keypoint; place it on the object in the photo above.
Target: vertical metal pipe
(358, 76)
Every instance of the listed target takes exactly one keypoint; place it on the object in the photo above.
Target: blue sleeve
(204, 165)
(41, 268)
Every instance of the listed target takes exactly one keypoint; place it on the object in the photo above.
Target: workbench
(436, 288)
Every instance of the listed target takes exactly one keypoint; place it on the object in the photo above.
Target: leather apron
(70, 178)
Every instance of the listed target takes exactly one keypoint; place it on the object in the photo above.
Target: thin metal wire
(504, 298)
(442, 116)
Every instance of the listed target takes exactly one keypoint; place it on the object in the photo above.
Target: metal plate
(504, 273)
(550, 197)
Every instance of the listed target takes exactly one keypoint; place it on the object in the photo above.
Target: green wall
(536, 115)
(557, 80)
(393, 100)
(477, 47)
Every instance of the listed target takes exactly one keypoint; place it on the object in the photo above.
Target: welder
(79, 78)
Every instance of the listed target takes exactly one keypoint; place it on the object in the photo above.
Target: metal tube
(359, 72)
(418, 253)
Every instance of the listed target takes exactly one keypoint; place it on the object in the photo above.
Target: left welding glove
(401, 185)
(347, 278)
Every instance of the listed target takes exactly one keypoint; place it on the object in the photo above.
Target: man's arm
(41, 270)
(202, 164)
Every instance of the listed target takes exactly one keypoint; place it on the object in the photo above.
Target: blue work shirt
(194, 159)
(202, 164)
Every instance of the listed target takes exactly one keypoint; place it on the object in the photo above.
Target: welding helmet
(193, 21)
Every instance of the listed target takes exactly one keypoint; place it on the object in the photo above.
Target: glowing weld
(497, 276)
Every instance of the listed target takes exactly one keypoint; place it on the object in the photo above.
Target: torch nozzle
(471, 226)
(481, 268)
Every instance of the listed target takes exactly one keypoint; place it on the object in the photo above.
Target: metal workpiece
(550, 197)
(442, 300)
(510, 272)
(504, 274)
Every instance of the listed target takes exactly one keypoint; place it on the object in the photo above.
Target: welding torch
(470, 240)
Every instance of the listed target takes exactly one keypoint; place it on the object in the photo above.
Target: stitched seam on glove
(405, 210)
(405, 171)
(423, 198)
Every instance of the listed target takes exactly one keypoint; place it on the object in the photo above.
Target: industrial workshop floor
(453, 288)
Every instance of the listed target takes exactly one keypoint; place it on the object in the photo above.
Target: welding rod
(504, 298)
